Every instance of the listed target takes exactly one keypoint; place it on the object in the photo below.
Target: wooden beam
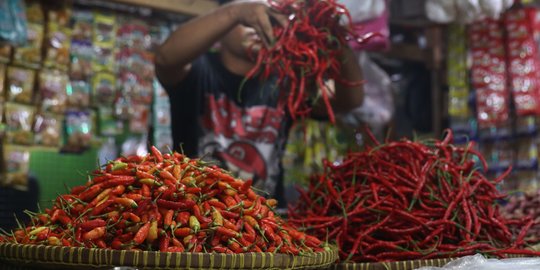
(187, 7)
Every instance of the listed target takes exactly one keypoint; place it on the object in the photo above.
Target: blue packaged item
(13, 22)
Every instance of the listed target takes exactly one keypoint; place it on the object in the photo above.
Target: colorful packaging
(137, 62)
(29, 55)
(523, 59)
(488, 72)
(19, 119)
(104, 42)
(58, 44)
(138, 89)
(60, 16)
(34, 11)
(52, 89)
(78, 94)
(104, 89)
(134, 34)
(48, 129)
(108, 124)
(458, 82)
(79, 129)
(20, 84)
(82, 25)
(82, 55)
(17, 159)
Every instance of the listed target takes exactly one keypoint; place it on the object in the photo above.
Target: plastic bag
(13, 22)
(365, 30)
(378, 106)
(48, 129)
(78, 94)
(17, 160)
(30, 54)
(364, 10)
(82, 22)
(58, 44)
(20, 84)
(19, 119)
(441, 11)
(478, 262)
(52, 90)
(104, 89)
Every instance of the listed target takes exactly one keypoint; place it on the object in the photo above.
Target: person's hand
(257, 14)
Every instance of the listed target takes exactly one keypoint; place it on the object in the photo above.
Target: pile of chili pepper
(306, 51)
(165, 202)
(406, 200)
(523, 205)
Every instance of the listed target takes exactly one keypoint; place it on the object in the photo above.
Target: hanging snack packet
(48, 129)
(58, 43)
(78, 94)
(20, 84)
(104, 89)
(30, 54)
(34, 11)
(79, 129)
(17, 160)
(134, 34)
(52, 90)
(108, 124)
(19, 119)
(60, 16)
(104, 42)
(82, 24)
(82, 55)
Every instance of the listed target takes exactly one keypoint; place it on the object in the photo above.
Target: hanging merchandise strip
(458, 82)
(523, 59)
(488, 70)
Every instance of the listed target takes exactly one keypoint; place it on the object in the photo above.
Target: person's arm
(346, 98)
(196, 36)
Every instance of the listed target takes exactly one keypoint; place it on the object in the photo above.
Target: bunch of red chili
(306, 51)
(165, 202)
(407, 200)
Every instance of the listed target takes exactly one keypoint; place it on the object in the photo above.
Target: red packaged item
(523, 61)
(488, 72)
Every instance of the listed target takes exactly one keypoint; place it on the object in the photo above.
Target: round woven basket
(56, 257)
(401, 265)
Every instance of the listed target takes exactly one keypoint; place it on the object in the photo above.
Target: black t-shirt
(218, 116)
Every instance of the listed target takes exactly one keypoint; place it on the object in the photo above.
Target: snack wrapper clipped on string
(306, 51)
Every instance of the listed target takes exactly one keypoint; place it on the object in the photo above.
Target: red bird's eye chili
(166, 203)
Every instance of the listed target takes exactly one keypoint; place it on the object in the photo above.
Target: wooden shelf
(187, 7)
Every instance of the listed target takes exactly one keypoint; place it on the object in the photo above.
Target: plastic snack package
(107, 122)
(19, 119)
(30, 54)
(58, 44)
(20, 84)
(34, 11)
(60, 16)
(48, 129)
(52, 90)
(17, 160)
(79, 128)
(82, 25)
(104, 86)
(78, 94)
(82, 55)
(104, 30)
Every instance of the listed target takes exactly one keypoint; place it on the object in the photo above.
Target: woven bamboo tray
(402, 265)
(55, 257)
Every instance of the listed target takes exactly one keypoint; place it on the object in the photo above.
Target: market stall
(272, 134)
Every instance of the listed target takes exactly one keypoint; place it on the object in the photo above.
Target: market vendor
(245, 132)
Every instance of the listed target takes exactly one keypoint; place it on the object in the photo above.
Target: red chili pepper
(142, 233)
